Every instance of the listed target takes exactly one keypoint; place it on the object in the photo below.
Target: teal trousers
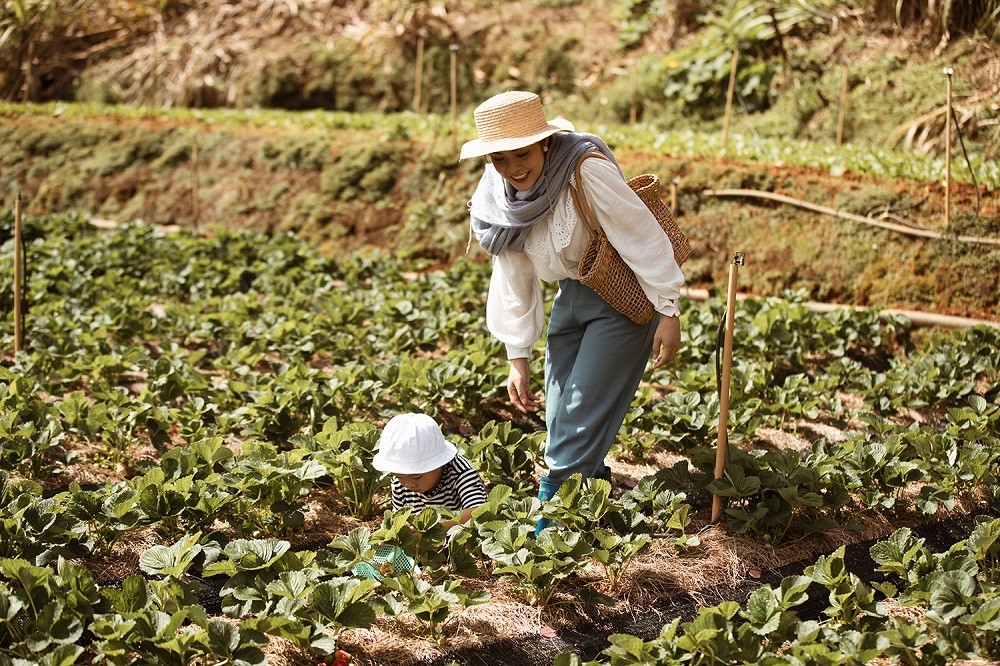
(594, 360)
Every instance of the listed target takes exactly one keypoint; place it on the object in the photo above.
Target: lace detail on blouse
(536, 245)
(562, 232)
(555, 235)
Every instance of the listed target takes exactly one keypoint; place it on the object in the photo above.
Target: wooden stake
(673, 195)
(633, 112)
(843, 108)
(947, 154)
(419, 74)
(729, 100)
(195, 206)
(18, 276)
(454, 96)
(722, 444)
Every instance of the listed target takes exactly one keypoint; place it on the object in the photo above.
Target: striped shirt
(460, 487)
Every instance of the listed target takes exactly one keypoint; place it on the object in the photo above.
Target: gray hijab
(502, 216)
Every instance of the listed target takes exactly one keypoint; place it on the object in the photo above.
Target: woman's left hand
(666, 340)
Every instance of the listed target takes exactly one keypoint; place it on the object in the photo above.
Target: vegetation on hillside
(388, 177)
(665, 63)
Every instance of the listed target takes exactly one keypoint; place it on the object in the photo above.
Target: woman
(523, 215)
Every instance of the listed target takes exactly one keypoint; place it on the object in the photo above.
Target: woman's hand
(517, 386)
(666, 340)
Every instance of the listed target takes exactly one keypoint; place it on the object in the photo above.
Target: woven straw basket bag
(602, 268)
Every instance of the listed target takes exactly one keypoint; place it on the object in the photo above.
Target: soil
(589, 637)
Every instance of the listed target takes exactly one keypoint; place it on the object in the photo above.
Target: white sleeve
(635, 233)
(514, 310)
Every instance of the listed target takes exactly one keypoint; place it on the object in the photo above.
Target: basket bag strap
(583, 209)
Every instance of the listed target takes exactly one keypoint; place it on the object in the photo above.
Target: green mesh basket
(389, 560)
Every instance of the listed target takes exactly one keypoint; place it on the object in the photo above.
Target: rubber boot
(616, 491)
(547, 489)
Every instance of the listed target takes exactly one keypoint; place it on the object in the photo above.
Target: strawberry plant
(346, 454)
(505, 455)
(432, 603)
(663, 511)
(37, 529)
(271, 488)
(255, 584)
(29, 431)
(108, 513)
(44, 610)
(537, 566)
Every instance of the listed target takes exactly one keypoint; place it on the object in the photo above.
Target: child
(426, 468)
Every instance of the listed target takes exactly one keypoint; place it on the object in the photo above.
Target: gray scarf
(502, 216)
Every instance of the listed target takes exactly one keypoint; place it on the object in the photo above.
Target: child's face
(420, 483)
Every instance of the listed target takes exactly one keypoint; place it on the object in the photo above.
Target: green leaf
(986, 617)
(951, 594)
(985, 540)
(62, 655)
(342, 602)
(793, 591)
(255, 554)
(173, 560)
(131, 598)
(762, 611)
(223, 638)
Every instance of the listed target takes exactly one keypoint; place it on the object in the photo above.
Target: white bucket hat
(412, 444)
(509, 121)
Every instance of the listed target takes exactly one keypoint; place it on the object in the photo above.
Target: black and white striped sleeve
(469, 484)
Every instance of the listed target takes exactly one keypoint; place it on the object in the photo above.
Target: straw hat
(412, 444)
(509, 121)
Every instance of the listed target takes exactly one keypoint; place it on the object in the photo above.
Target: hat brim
(478, 148)
(383, 464)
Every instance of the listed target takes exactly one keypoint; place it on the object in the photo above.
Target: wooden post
(722, 444)
(729, 100)
(195, 205)
(419, 74)
(633, 112)
(841, 112)
(673, 195)
(947, 153)
(454, 96)
(18, 276)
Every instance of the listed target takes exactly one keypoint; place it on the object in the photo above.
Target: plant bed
(239, 465)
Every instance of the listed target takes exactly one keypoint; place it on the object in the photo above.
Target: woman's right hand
(517, 386)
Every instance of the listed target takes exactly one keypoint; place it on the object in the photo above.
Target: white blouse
(552, 251)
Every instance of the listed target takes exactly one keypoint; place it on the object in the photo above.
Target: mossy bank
(389, 186)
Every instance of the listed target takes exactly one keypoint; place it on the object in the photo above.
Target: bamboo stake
(947, 154)
(917, 317)
(722, 444)
(826, 210)
(729, 100)
(18, 276)
(673, 195)
(843, 108)
(454, 96)
(419, 75)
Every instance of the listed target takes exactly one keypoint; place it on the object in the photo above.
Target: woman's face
(522, 167)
